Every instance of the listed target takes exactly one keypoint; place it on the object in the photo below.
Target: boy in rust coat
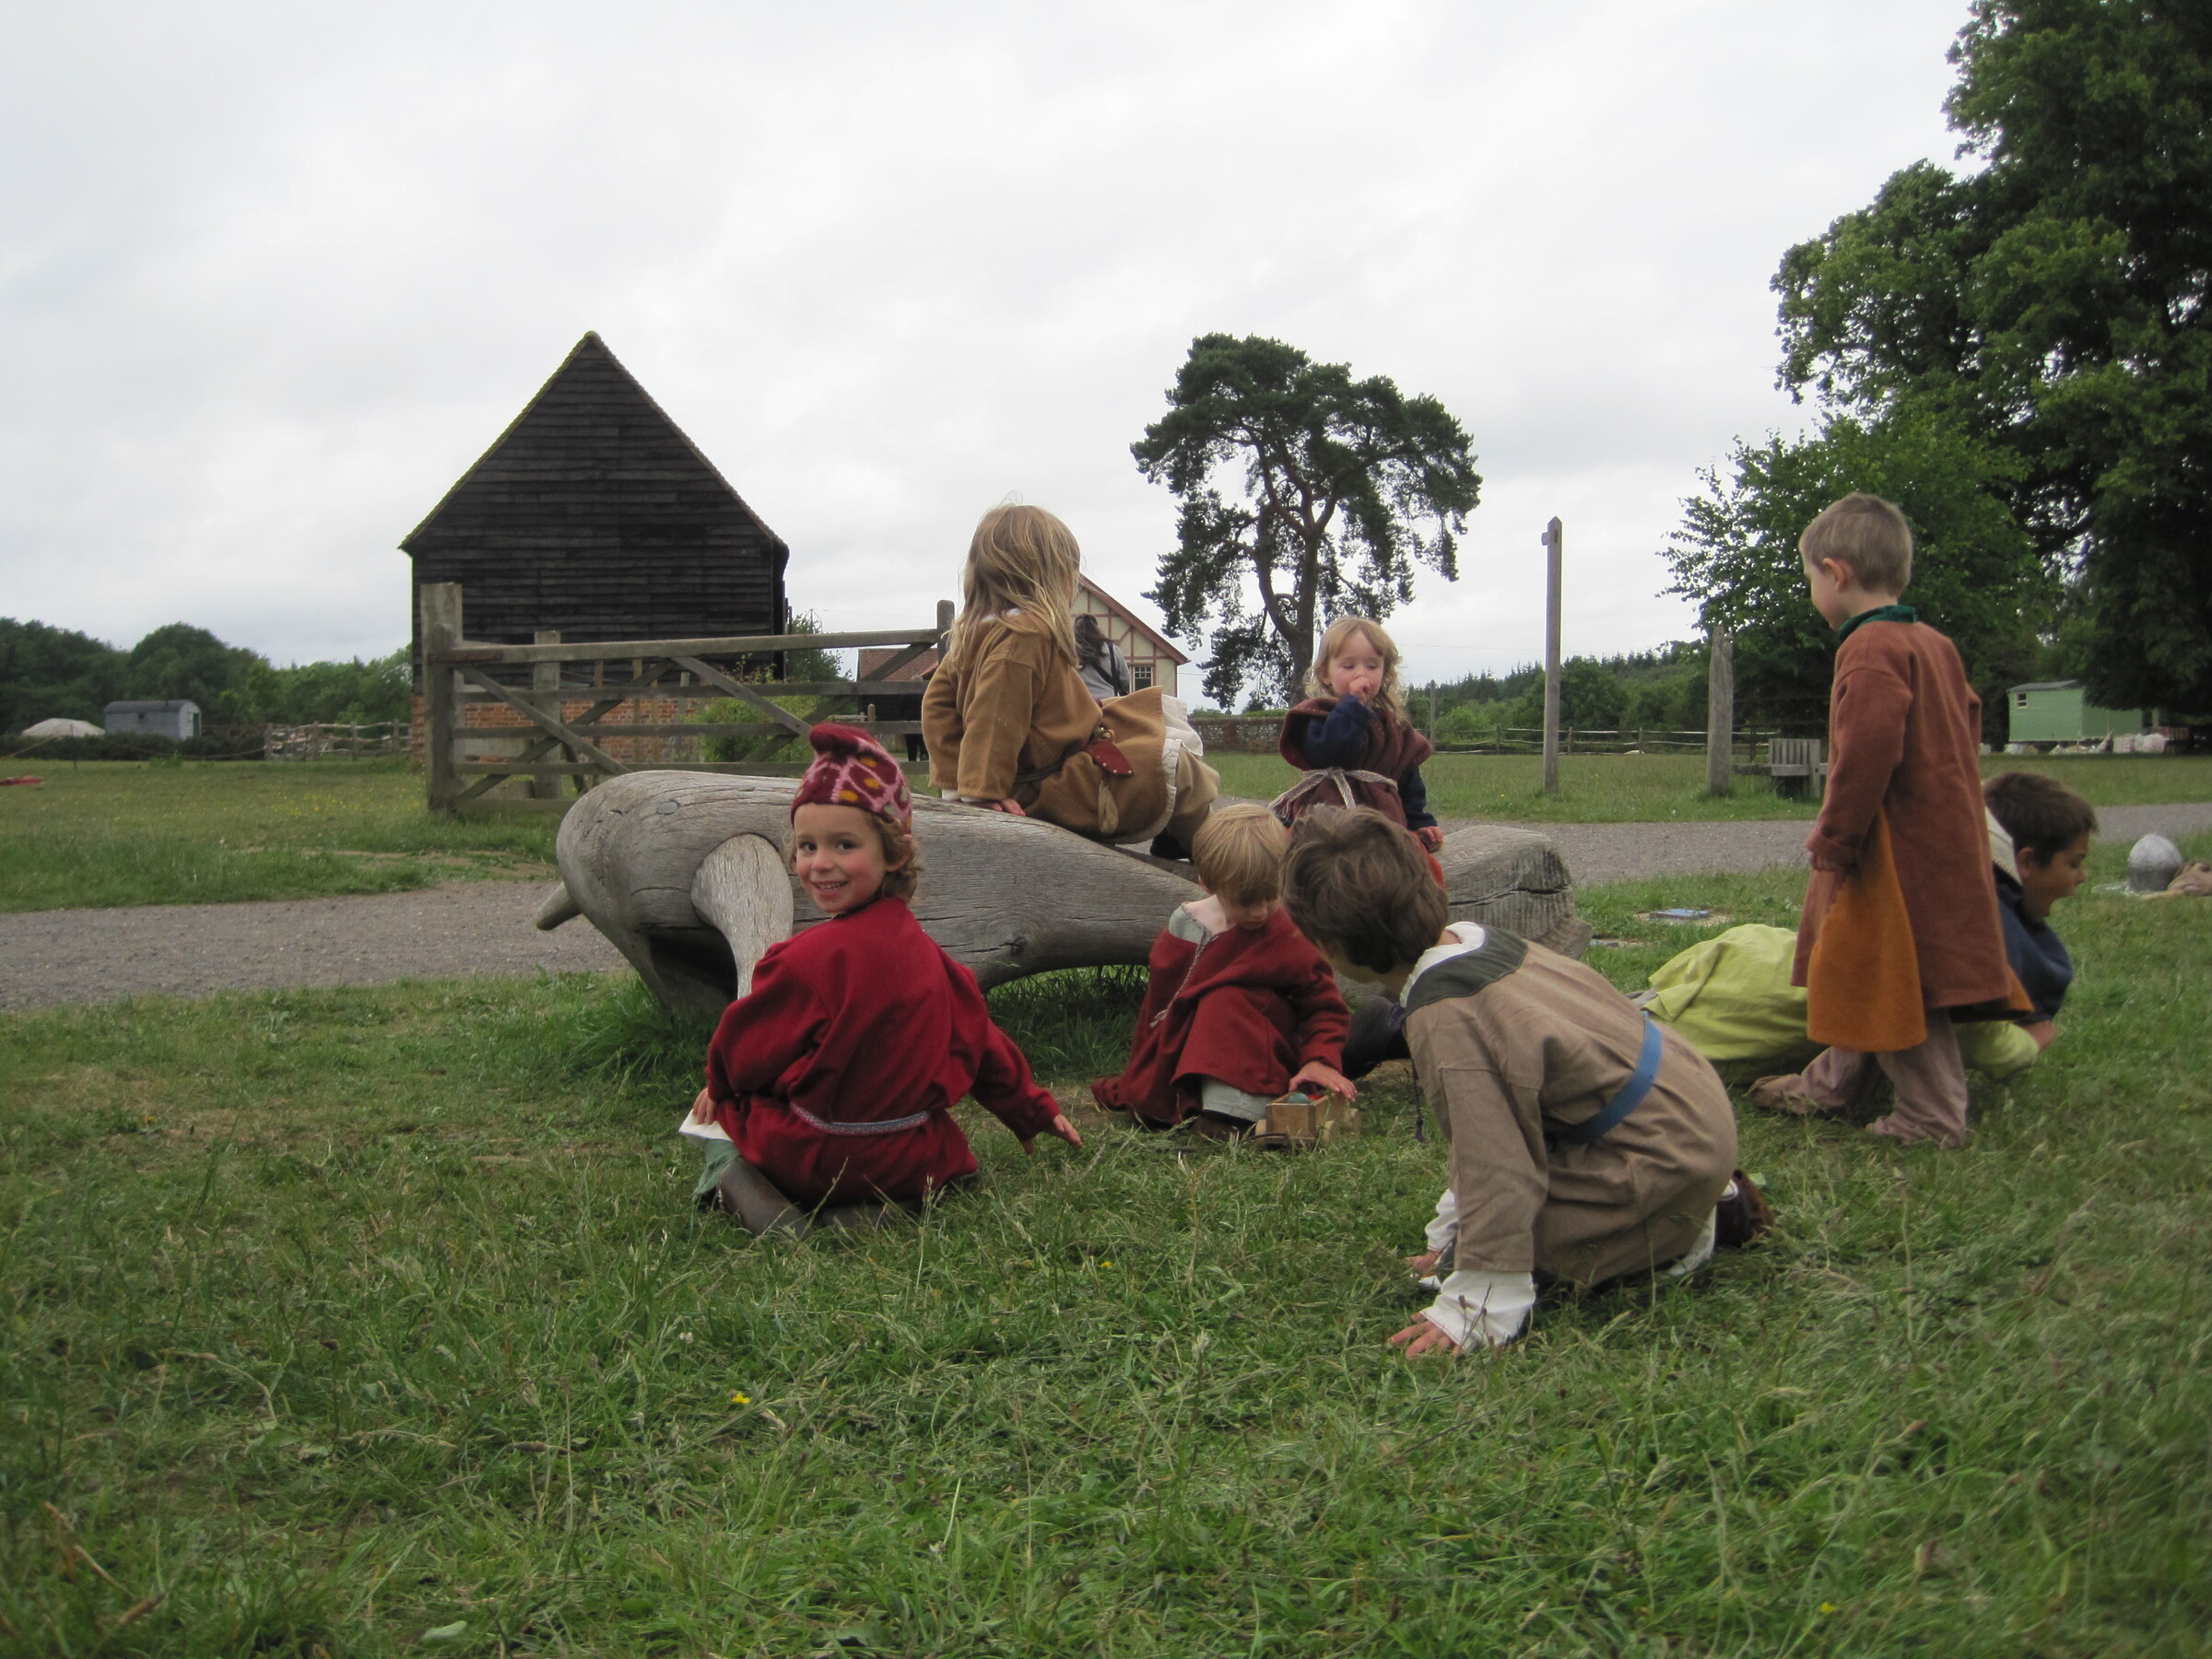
(1900, 934)
(1240, 1008)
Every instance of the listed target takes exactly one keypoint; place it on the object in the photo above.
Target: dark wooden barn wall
(594, 514)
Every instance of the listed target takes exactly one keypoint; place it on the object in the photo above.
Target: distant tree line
(55, 671)
(1661, 691)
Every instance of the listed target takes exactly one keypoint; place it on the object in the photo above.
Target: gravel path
(483, 927)
(468, 927)
(1597, 854)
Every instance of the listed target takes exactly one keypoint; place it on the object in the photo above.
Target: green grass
(339, 1318)
(1607, 789)
(105, 833)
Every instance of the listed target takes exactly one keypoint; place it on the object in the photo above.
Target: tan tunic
(1017, 706)
(1545, 1045)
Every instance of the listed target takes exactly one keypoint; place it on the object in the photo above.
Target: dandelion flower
(740, 1399)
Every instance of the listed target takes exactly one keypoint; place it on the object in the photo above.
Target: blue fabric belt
(1632, 1092)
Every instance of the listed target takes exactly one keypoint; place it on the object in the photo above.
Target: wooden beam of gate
(744, 693)
(543, 721)
(538, 748)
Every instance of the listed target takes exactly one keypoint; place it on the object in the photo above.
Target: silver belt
(886, 1126)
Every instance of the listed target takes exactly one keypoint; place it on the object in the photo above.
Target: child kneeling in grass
(1587, 1144)
(836, 1076)
(1240, 1007)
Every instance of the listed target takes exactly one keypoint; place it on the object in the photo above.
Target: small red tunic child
(1240, 1007)
(836, 1076)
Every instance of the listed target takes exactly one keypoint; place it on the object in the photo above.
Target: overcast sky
(273, 275)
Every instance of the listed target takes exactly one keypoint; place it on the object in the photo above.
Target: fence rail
(352, 740)
(1529, 740)
(553, 744)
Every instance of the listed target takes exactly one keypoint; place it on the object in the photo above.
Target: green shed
(2056, 712)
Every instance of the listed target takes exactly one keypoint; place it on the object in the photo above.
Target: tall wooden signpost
(1720, 713)
(1554, 541)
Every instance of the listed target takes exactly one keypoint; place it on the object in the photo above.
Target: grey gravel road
(1597, 854)
(483, 927)
(469, 927)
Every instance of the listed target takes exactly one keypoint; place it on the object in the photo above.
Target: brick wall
(501, 726)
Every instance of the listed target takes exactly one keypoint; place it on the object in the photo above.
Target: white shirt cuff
(1444, 1226)
(1483, 1309)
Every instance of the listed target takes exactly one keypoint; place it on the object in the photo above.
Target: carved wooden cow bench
(684, 872)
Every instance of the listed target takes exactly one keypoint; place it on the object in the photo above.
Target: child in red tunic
(835, 1077)
(1352, 738)
(1240, 1008)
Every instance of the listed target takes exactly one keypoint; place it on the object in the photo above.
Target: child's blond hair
(1022, 558)
(1239, 853)
(1867, 533)
(1387, 698)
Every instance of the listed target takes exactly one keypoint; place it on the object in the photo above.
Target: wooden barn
(593, 515)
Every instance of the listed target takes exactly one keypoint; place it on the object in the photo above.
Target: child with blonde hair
(1240, 1008)
(1351, 735)
(835, 1077)
(1011, 726)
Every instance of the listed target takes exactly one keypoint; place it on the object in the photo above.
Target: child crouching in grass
(1587, 1143)
(1240, 1007)
(836, 1076)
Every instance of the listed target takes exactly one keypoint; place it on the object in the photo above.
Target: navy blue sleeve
(2037, 954)
(1413, 795)
(1341, 739)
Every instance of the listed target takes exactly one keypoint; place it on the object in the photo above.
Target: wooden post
(943, 622)
(1554, 543)
(546, 677)
(1432, 711)
(441, 632)
(1720, 713)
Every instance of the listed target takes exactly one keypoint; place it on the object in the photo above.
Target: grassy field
(1608, 789)
(368, 1322)
(123, 832)
(114, 833)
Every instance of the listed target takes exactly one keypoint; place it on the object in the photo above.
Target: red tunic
(1249, 1006)
(851, 1026)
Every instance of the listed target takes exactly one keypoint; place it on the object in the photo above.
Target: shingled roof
(594, 514)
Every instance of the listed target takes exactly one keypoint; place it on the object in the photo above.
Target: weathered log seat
(683, 871)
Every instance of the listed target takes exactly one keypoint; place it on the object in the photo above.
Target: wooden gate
(556, 745)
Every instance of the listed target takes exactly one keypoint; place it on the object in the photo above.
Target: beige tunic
(1545, 1045)
(1016, 706)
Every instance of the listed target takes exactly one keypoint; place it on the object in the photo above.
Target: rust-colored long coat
(1904, 737)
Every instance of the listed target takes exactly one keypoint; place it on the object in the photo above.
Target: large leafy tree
(1976, 573)
(2051, 306)
(1303, 494)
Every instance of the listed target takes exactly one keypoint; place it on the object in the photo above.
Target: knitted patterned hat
(851, 768)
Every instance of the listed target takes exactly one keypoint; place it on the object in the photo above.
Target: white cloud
(272, 276)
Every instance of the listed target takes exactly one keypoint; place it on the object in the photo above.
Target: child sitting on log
(1587, 1144)
(1351, 735)
(1240, 1008)
(1010, 724)
(835, 1077)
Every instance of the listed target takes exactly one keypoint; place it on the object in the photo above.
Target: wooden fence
(333, 741)
(459, 674)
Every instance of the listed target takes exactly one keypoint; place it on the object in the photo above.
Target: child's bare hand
(1429, 836)
(1061, 1127)
(1425, 1264)
(1327, 1077)
(1424, 1336)
(702, 1108)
